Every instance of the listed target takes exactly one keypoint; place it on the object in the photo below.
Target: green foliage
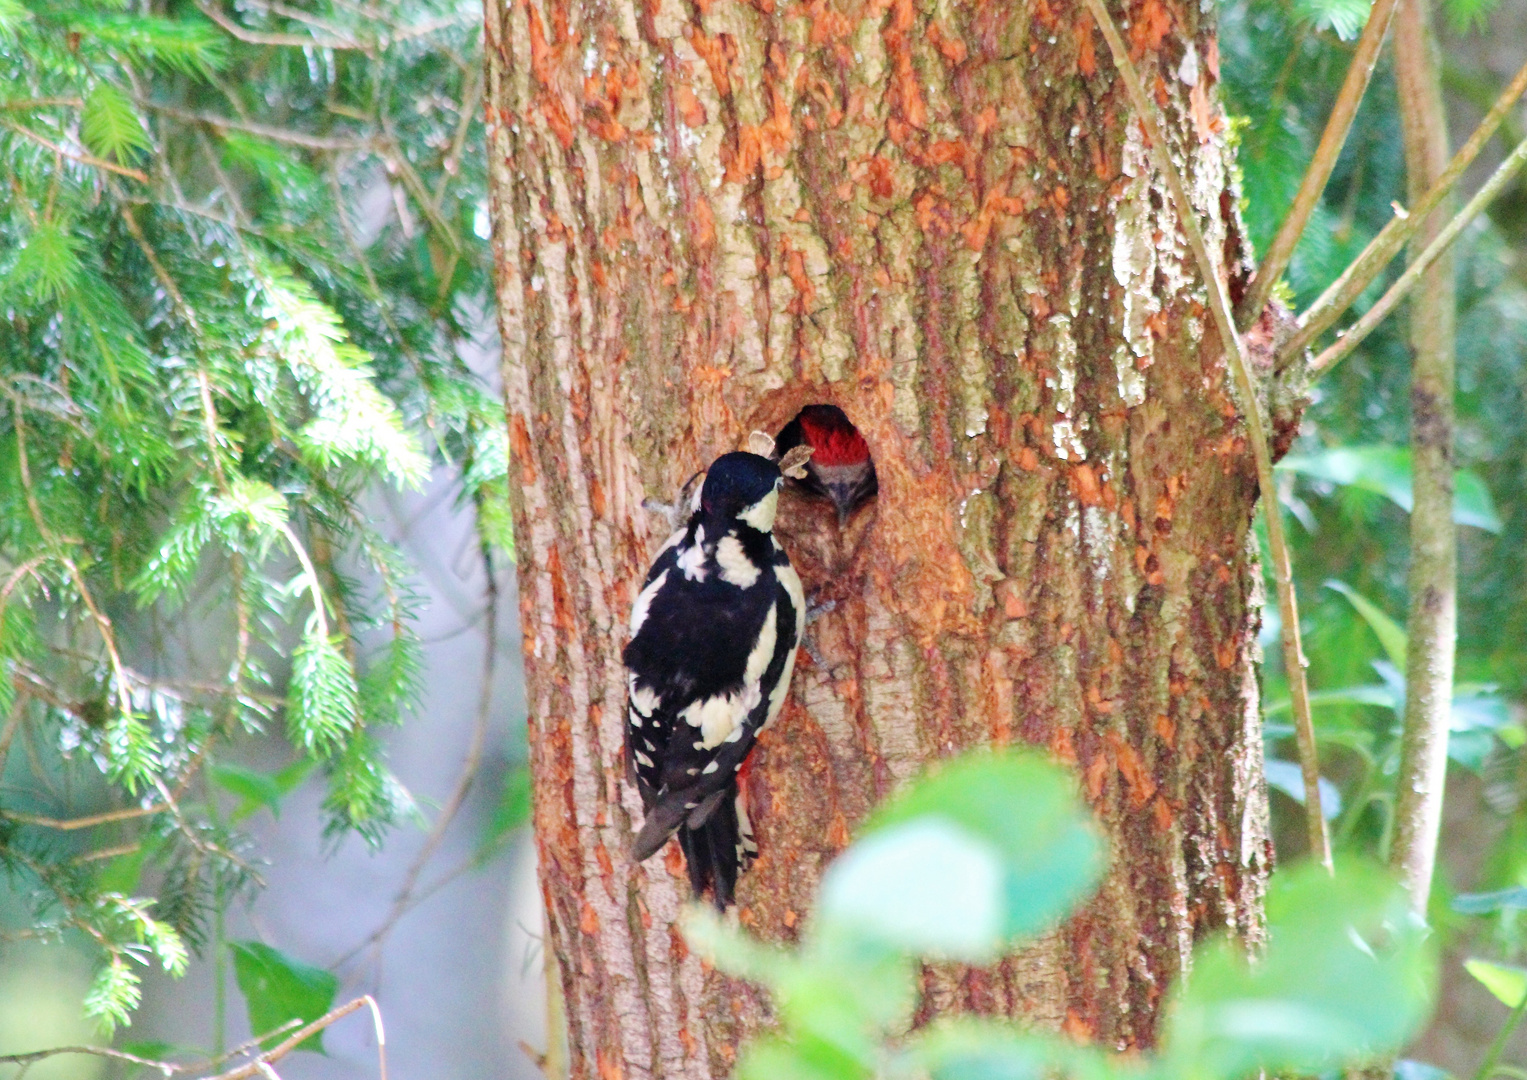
(279, 990)
(1347, 479)
(1346, 975)
(211, 352)
(956, 868)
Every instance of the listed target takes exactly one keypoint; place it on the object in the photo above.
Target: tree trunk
(708, 215)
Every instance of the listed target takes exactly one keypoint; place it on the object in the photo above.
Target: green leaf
(1391, 634)
(1347, 975)
(773, 1058)
(258, 789)
(1028, 851)
(1508, 984)
(109, 123)
(929, 886)
(1288, 778)
(971, 1049)
(278, 989)
(1488, 903)
(1385, 470)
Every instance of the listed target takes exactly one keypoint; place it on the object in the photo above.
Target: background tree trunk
(942, 219)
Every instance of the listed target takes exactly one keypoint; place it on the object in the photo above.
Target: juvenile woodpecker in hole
(840, 468)
(713, 639)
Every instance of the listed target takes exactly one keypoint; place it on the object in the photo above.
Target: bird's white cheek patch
(643, 605)
(735, 565)
(761, 514)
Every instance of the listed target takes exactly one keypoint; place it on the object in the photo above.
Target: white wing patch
(692, 558)
(719, 717)
(792, 583)
(643, 603)
(735, 565)
(763, 648)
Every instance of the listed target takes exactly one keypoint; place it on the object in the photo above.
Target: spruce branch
(76, 155)
(1382, 249)
(1224, 318)
(1353, 87)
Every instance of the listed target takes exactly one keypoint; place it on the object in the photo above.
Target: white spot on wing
(711, 767)
(761, 514)
(643, 605)
(736, 567)
(644, 759)
(719, 717)
(644, 700)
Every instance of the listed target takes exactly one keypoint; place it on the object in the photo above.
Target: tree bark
(943, 219)
(1433, 615)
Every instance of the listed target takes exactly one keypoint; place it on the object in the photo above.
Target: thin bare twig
(258, 1065)
(1342, 292)
(408, 897)
(259, 37)
(265, 131)
(1353, 87)
(76, 155)
(1224, 318)
(1353, 337)
(90, 822)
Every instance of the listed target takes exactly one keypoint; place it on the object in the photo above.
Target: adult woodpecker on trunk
(713, 639)
(840, 468)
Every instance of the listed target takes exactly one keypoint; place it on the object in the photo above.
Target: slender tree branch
(258, 1065)
(1342, 292)
(89, 822)
(1353, 87)
(273, 132)
(1431, 623)
(74, 155)
(1488, 1067)
(407, 896)
(1224, 318)
(257, 37)
(1353, 337)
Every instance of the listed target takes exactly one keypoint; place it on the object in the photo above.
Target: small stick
(1341, 293)
(1379, 311)
(1353, 87)
(1219, 305)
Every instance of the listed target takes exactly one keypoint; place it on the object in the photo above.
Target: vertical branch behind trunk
(1433, 546)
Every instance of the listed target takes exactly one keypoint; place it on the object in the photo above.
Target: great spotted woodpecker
(713, 639)
(840, 468)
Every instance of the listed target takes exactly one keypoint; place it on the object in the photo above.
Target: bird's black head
(744, 486)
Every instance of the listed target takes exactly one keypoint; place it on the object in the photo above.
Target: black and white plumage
(713, 639)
